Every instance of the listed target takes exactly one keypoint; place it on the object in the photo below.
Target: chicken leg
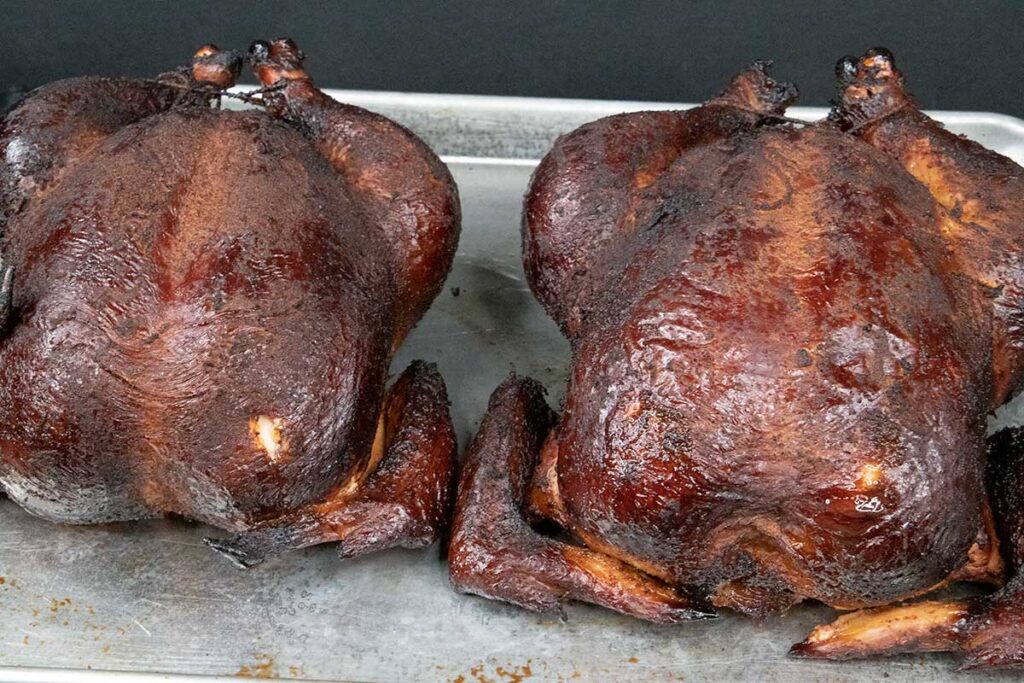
(496, 554)
(988, 631)
(402, 496)
(980, 189)
(404, 188)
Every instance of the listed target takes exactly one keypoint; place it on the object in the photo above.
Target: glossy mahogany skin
(772, 325)
(984, 631)
(182, 324)
(495, 553)
(205, 306)
(785, 341)
(751, 352)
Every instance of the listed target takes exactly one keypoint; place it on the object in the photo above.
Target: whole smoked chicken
(199, 308)
(785, 339)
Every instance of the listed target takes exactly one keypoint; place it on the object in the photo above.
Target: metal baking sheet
(149, 600)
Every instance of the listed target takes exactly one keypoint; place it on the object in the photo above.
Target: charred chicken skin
(199, 308)
(785, 342)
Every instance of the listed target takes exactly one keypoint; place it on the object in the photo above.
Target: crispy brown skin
(981, 190)
(984, 195)
(404, 500)
(204, 309)
(59, 124)
(986, 632)
(403, 187)
(493, 551)
(785, 342)
(734, 328)
(596, 176)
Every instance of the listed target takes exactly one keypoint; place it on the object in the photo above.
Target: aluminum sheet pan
(150, 597)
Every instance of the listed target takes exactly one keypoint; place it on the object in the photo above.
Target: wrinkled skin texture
(203, 305)
(785, 343)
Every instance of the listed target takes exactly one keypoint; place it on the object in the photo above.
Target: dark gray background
(956, 54)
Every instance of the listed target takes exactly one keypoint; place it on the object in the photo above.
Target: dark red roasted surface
(204, 303)
(786, 339)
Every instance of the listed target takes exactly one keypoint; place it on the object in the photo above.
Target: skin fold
(199, 307)
(786, 339)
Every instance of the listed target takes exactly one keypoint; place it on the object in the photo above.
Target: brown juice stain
(263, 667)
(508, 673)
(56, 605)
(632, 660)
(516, 674)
